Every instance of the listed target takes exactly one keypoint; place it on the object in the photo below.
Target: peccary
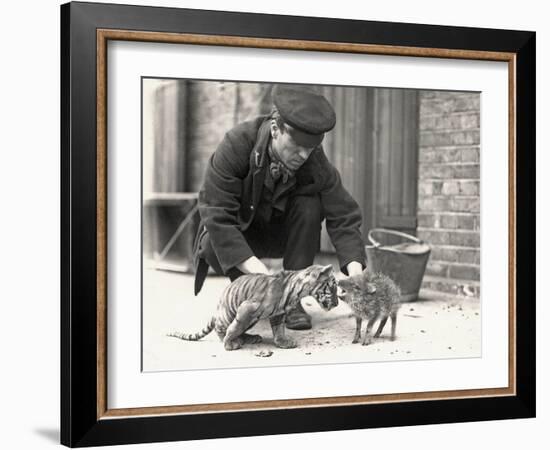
(371, 296)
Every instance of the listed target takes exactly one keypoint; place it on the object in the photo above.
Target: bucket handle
(394, 232)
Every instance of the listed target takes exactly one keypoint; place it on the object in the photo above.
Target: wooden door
(374, 145)
(395, 157)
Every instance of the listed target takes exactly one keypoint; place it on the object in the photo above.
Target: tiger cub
(371, 296)
(257, 296)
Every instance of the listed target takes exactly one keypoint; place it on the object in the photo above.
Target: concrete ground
(433, 327)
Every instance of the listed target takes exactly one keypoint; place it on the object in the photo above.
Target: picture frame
(86, 418)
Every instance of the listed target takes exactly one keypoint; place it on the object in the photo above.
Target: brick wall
(448, 190)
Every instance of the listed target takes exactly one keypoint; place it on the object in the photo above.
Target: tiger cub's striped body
(257, 296)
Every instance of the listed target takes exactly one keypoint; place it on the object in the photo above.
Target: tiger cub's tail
(195, 336)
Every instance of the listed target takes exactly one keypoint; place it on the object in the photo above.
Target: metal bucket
(405, 262)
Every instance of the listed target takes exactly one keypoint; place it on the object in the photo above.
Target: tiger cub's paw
(251, 338)
(233, 344)
(285, 342)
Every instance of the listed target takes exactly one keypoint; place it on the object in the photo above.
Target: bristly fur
(257, 296)
(371, 296)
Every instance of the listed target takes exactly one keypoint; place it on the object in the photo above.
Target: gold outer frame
(103, 36)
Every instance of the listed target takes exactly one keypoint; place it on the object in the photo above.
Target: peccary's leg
(357, 336)
(393, 316)
(381, 326)
(368, 336)
(278, 328)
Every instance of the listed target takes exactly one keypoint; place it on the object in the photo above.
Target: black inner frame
(79, 424)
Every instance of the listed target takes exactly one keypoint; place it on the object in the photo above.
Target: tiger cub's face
(323, 286)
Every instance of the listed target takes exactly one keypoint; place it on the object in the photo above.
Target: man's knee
(306, 210)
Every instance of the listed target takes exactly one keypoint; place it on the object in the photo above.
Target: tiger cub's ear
(326, 271)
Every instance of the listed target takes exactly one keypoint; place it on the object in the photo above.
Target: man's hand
(354, 268)
(253, 265)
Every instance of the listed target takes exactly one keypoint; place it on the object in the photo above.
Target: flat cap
(308, 112)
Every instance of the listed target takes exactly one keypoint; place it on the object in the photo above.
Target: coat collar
(258, 161)
(258, 156)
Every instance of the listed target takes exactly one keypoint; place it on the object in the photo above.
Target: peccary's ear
(362, 282)
(356, 281)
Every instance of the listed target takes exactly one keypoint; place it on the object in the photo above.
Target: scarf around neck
(277, 168)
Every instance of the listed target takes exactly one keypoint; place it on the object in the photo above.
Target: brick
(437, 187)
(468, 187)
(465, 171)
(440, 155)
(432, 203)
(444, 254)
(461, 121)
(464, 272)
(467, 256)
(450, 188)
(456, 103)
(449, 221)
(457, 187)
(469, 222)
(428, 220)
(448, 154)
(425, 188)
(464, 204)
(463, 238)
(470, 154)
(430, 187)
(447, 138)
(436, 171)
(438, 269)
(434, 237)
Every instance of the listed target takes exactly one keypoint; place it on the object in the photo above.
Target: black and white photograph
(298, 224)
(268, 225)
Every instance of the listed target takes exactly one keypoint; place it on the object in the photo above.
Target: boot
(298, 319)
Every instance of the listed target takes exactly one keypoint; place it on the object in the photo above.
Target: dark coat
(233, 186)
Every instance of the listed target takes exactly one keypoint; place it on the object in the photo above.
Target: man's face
(292, 155)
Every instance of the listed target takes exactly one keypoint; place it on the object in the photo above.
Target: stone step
(452, 286)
